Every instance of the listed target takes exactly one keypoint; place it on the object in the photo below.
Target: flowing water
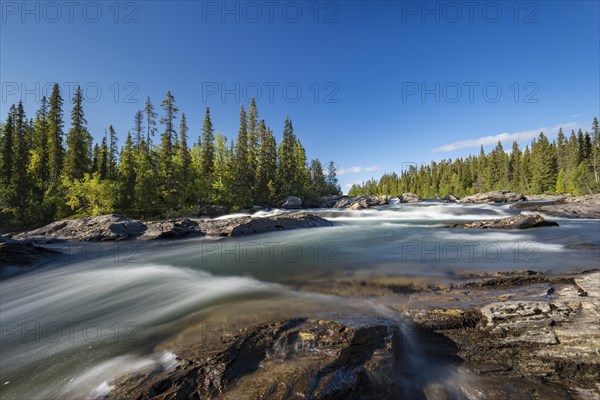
(98, 312)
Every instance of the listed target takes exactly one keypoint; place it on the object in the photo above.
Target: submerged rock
(22, 254)
(298, 358)
(115, 227)
(516, 222)
(498, 196)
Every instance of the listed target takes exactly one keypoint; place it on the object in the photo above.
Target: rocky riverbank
(564, 206)
(117, 227)
(518, 335)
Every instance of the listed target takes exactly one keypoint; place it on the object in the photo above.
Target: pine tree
(266, 169)
(79, 142)
(150, 123)
(184, 171)
(113, 149)
(165, 157)
(7, 147)
(127, 177)
(331, 180)
(55, 136)
(19, 181)
(286, 168)
(103, 159)
(242, 188)
(138, 128)
(544, 172)
(207, 145)
(253, 145)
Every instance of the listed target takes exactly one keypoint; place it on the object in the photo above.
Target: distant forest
(567, 165)
(46, 175)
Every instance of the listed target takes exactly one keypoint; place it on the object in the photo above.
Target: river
(97, 312)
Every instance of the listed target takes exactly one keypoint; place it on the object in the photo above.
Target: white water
(71, 327)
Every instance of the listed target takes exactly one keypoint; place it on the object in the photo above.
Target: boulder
(498, 196)
(112, 227)
(329, 201)
(516, 222)
(22, 254)
(298, 358)
(450, 198)
(292, 202)
(361, 202)
(565, 206)
(409, 198)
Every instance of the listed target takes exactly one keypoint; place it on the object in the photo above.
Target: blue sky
(382, 83)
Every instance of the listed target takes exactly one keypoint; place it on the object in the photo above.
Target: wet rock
(409, 198)
(299, 358)
(450, 198)
(498, 196)
(99, 228)
(361, 202)
(515, 222)
(115, 227)
(22, 254)
(292, 202)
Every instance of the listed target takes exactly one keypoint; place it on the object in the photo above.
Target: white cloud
(357, 170)
(575, 116)
(505, 138)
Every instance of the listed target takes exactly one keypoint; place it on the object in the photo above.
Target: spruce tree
(79, 142)
(55, 136)
(207, 146)
(113, 149)
(150, 123)
(138, 128)
(242, 188)
(127, 178)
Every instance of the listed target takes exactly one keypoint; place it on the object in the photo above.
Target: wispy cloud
(349, 185)
(506, 138)
(357, 170)
(575, 116)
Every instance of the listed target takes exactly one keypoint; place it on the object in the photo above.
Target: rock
(361, 202)
(99, 228)
(409, 198)
(450, 198)
(329, 201)
(498, 196)
(22, 254)
(517, 222)
(298, 358)
(565, 206)
(292, 202)
(114, 227)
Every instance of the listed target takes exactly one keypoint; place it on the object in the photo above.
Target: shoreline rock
(115, 227)
(516, 222)
(564, 206)
(497, 196)
(22, 254)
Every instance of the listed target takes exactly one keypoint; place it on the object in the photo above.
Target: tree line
(565, 165)
(46, 174)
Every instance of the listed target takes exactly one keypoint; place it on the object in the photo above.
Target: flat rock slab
(116, 227)
(515, 222)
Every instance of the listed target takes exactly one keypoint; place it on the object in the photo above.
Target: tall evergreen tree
(113, 149)
(127, 178)
(138, 128)
(242, 188)
(79, 142)
(55, 135)
(207, 146)
(150, 123)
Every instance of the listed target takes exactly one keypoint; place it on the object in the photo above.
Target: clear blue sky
(362, 67)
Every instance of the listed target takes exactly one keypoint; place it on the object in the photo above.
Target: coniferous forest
(566, 165)
(49, 172)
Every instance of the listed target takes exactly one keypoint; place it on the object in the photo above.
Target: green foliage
(90, 195)
(564, 166)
